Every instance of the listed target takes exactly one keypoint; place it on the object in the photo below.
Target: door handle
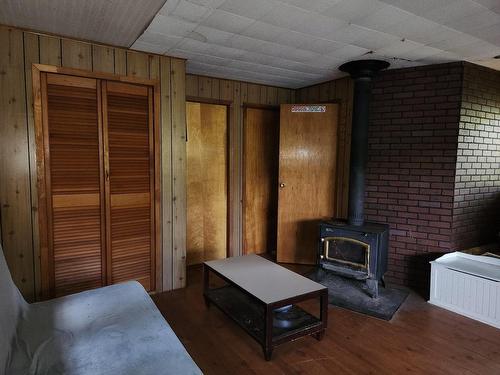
(282, 185)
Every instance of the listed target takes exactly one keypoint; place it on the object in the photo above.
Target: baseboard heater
(468, 285)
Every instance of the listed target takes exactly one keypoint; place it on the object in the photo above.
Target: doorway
(207, 182)
(260, 179)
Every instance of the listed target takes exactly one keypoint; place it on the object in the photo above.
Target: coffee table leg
(268, 344)
(323, 305)
(206, 281)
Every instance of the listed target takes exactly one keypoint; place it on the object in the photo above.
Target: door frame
(244, 107)
(42, 252)
(229, 204)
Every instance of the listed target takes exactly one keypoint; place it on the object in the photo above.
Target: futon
(112, 330)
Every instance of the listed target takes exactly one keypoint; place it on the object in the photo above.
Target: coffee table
(260, 296)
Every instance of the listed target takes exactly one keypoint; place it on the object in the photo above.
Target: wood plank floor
(420, 339)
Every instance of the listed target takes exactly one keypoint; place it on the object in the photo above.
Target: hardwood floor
(420, 339)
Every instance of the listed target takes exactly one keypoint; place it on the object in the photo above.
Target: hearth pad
(351, 294)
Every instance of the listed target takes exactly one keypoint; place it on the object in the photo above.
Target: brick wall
(434, 162)
(412, 158)
(476, 213)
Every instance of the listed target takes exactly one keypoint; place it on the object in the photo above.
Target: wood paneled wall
(337, 91)
(18, 190)
(236, 95)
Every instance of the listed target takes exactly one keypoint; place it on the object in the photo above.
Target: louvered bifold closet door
(129, 162)
(74, 180)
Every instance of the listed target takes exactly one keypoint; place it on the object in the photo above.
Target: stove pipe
(362, 72)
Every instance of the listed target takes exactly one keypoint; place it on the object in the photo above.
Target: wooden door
(307, 172)
(206, 182)
(129, 164)
(72, 236)
(260, 180)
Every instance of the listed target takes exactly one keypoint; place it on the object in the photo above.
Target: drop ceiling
(289, 43)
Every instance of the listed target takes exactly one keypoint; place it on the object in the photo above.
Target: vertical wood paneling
(155, 73)
(205, 88)
(31, 56)
(18, 190)
(137, 64)
(103, 59)
(253, 93)
(76, 54)
(226, 90)
(15, 202)
(166, 178)
(236, 152)
(178, 93)
(120, 61)
(216, 88)
(50, 50)
(284, 96)
(272, 95)
(192, 85)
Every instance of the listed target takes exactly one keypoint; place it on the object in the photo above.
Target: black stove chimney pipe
(362, 72)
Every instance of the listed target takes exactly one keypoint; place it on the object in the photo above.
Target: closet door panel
(73, 144)
(129, 148)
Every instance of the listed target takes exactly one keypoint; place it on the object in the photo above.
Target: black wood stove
(355, 248)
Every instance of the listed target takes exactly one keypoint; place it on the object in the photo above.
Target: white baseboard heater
(468, 285)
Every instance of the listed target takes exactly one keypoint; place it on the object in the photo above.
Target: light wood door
(129, 163)
(206, 182)
(73, 247)
(260, 180)
(307, 172)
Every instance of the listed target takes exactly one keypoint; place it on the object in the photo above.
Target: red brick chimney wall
(412, 158)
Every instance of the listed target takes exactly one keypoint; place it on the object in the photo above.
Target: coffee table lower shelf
(250, 314)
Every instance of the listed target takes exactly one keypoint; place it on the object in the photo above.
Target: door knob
(282, 185)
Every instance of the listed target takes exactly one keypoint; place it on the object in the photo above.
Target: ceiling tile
(253, 9)
(206, 3)
(284, 15)
(149, 47)
(375, 40)
(244, 42)
(419, 7)
(383, 18)
(225, 21)
(348, 52)
(264, 31)
(321, 46)
(318, 6)
(318, 25)
(188, 11)
(417, 29)
(210, 35)
(172, 26)
(165, 41)
(453, 11)
(353, 10)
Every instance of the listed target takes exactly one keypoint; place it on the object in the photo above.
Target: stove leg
(319, 335)
(268, 353)
(382, 281)
(372, 285)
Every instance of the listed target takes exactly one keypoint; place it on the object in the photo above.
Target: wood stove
(355, 248)
(356, 251)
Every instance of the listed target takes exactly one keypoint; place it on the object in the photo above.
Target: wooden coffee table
(261, 295)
